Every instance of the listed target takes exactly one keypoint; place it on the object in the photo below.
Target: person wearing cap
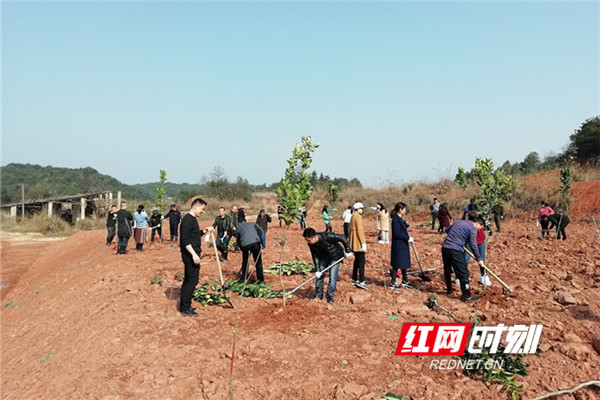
(174, 220)
(358, 244)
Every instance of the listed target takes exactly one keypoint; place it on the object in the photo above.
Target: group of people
(249, 236)
(466, 239)
(122, 223)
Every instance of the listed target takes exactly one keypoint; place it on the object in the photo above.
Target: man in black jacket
(223, 225)
(262, 220)
(174, 220)
(124, 219)
(111, 222)
(190, 255)
(326, 248)
(156, 225)
(248, 237)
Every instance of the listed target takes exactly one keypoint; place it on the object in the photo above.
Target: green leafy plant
(281, 243)
(392, 396)
(295, 188)
(179, 276)
(253, 290)
(294, 267)
(157, 280)
(425, 225)
(160, 191)
(461, 178)
(334, 193)
(209, 295)
(495, 187)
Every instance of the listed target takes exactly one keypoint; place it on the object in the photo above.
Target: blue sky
(393, 91)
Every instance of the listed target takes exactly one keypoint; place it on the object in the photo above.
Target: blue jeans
(123, 241)
(481, 248)
(333, 274)
(263, 239)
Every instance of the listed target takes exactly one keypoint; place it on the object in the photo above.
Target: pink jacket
(545, 211)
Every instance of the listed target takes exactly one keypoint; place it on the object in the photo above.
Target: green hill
(42, 182)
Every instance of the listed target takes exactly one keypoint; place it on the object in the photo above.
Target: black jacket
(155, 220)
(223, 225)
(174, 217)
(111, 220)
(559, 221)
(124, 219)
(330, 246)
(263, 221)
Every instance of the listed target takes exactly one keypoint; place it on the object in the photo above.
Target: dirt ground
(80, 322)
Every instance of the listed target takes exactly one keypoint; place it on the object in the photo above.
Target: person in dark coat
(241, 215)
(326, 249)
(262, 220)
(560, 221)
(155, 225)
(111, 222)
(445, 217)
(124, 219)
(400, 258)
(223, 225)
(174, 220)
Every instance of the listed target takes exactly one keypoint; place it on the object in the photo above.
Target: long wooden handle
(212, 236)
(491, 272)
(417, 255)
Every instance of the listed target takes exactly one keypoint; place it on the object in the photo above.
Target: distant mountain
(42, 182)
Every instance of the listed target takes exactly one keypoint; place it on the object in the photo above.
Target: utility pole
(22, 200)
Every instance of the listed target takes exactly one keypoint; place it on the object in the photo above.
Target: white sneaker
(485, 280)
(381, 242)
(457, 282)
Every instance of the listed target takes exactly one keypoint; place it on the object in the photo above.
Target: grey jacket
(248, 233)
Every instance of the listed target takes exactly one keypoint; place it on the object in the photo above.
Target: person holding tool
(327, 249)
(189, 244)
(156, 224)
(223, 225)
(358, 244)
(453, 254)
(400, 254)
(249, 237)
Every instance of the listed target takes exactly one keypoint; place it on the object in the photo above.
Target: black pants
(434, 217)
(223, 245)
(328, 228)
(253, 249)
(497, 219)
(156, 231)
(347, 229)
(560, 229)
(173, 229)
(190, 280)
(455, 260)
(358, 269)
(111, 234)
(544, 222)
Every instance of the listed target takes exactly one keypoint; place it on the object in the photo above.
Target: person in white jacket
(347, 217)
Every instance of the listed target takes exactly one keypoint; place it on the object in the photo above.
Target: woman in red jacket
(543, 215)
(444, 217)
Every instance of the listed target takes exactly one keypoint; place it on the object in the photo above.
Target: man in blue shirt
(459, 234)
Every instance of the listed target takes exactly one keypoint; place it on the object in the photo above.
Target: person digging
(459, 234)
(326, 248)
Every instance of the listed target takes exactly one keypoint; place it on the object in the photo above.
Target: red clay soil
(79, 322)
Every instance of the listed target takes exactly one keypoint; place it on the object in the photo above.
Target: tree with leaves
(160, 191)
(587, 139)
(295, 188)
(495, 186)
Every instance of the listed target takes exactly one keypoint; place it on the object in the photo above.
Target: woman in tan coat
(383, 224)
(358, 244)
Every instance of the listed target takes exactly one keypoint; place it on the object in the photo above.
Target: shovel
(325, 270)
(212, 236)
(491, 272)
(422, 275)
